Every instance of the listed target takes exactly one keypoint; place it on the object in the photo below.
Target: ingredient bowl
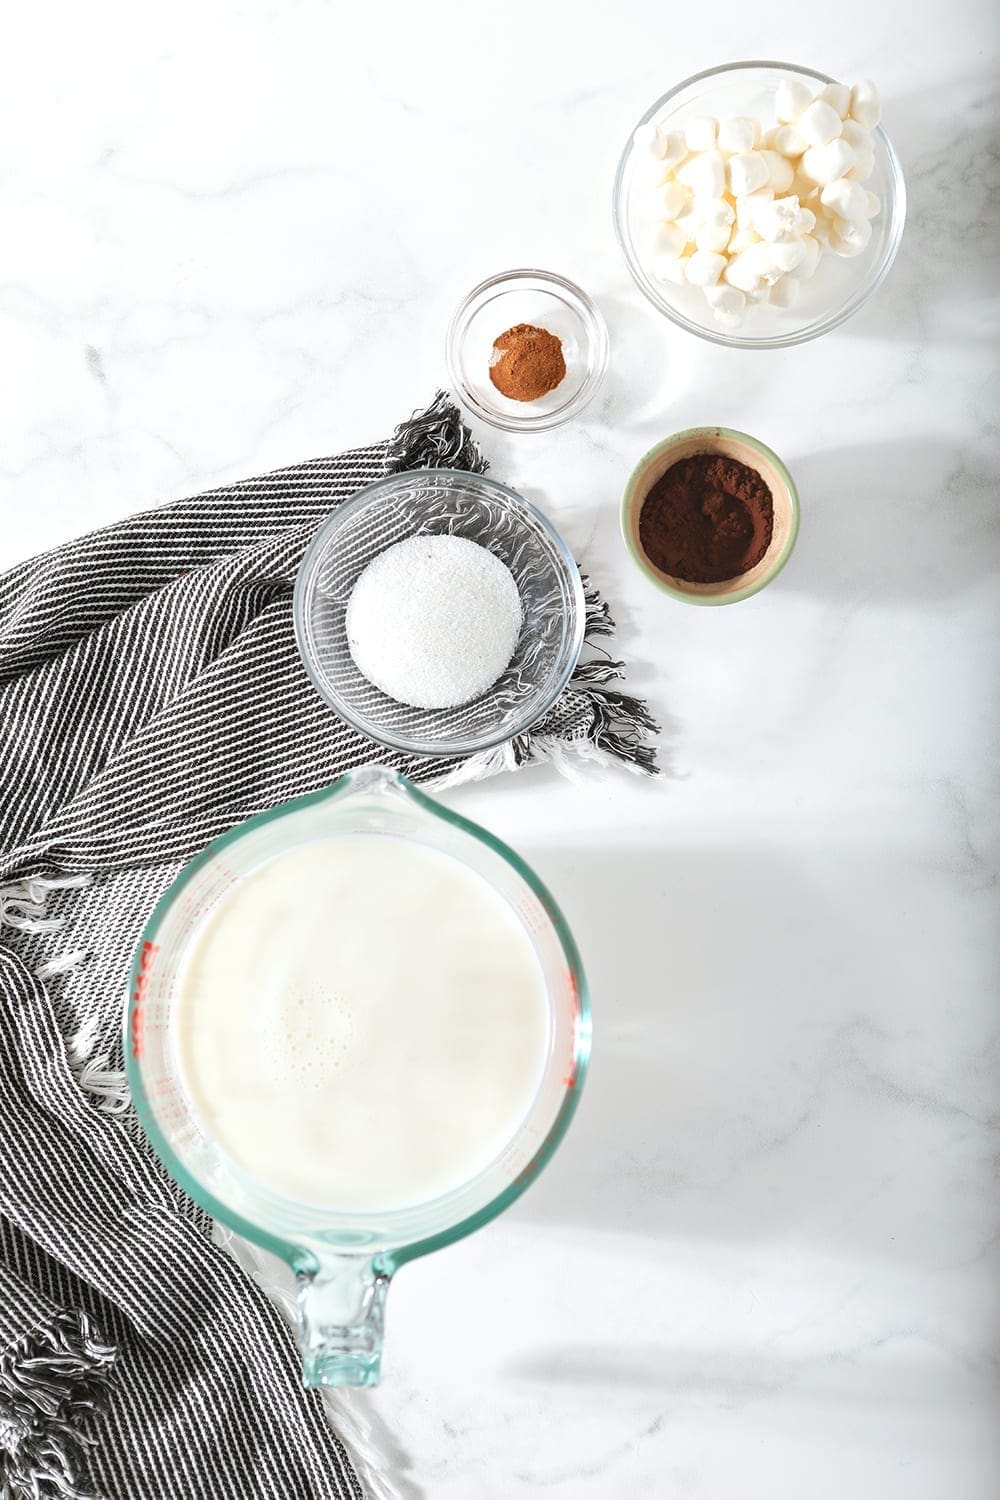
(546, 301)
(840, 285)
(425, 502)
(746, 450)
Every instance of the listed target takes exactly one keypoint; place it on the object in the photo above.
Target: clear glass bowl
(839, 287)
(547, 301)
(423, 502)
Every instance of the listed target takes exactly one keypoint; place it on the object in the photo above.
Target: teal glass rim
(631, 501)
(389, 1260)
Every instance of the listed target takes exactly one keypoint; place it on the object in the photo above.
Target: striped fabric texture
(151, 696)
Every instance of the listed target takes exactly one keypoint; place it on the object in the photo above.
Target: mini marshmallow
(866, 106)
(675, 148)
(746, 207)
(664, 202)
(713, 237)
(857, 137)
(782, 219)
(863, 168)
(667, 242)
(820, 124)
(743, 272)
(726, 298)
(845, 199)
(653, 169)
(704, 174)
(786, 255)
(737, 133)
(823, 164)
(873, 205)
(753, 270)
(786, 139)
(791, 100)
(850, 238)
(727, 303)
(838, 96)
(807, 266)
(649, 138)
(742, 239)
(713, 211)
(748, 171)
(705, 267)
(821, 231)
(689, 222)
(864, 149)
(785, 293)
(652, 172)
(772, 260)
(700, 132)
(803, 186)
(780, 172)
(669, 268)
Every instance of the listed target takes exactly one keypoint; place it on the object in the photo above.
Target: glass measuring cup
(344, 1261)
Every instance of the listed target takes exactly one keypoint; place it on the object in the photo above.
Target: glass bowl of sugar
(840, 285)
(439, 613)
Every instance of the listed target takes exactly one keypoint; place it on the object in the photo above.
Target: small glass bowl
(839, 287)
(547, 301)
(424, 502)
(728, 443)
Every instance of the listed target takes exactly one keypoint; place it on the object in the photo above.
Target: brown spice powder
(707, 519)
(527, 362)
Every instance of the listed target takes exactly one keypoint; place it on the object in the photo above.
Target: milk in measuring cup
(362, 1023)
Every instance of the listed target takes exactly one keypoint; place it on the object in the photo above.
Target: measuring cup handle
(341, 1320)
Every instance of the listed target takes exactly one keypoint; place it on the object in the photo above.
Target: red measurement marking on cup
(137, 1021)
(569, 1078)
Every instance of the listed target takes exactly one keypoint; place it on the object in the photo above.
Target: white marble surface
(764, 1262)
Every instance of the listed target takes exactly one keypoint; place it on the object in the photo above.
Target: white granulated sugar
(433, 621)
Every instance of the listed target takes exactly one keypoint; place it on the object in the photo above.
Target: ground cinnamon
(707, 519)
(527, 362)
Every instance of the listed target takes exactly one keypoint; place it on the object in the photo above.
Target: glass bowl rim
(820, 326)
(538, 421)
(472, 744)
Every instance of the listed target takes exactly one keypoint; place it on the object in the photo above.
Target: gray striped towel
(151, 696)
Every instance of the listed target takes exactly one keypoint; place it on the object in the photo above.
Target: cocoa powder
(707, 519)
(527, 362)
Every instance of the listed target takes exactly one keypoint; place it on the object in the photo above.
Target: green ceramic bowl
(746, 450)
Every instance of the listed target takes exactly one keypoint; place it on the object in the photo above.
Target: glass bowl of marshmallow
(760, 204)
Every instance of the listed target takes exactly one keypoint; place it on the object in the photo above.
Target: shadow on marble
(952, 170)
(912, 519)
(769, 1060)
(732, 1377)
(644, 374)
